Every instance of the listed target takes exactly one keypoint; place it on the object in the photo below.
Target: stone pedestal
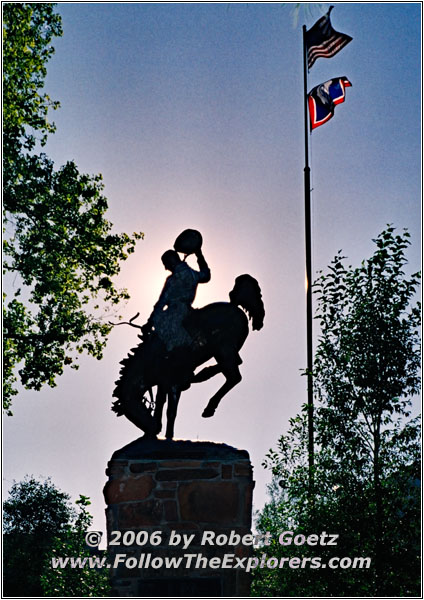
(164, 489)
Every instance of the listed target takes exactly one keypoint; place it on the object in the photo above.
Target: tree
(39, 523)
(366, 369)
(34, 513)
(367, 362)
(75, 582)
(59, 248)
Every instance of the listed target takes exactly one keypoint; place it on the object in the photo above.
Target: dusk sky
(193, 113)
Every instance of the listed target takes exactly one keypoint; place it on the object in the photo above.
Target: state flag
(323, 99)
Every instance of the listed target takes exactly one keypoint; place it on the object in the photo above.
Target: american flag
(324, 41)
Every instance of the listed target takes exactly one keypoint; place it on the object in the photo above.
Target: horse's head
(247, 294)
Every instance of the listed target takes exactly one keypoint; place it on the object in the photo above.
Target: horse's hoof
(208, 412)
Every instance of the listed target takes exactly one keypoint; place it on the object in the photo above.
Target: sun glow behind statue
(200, 127)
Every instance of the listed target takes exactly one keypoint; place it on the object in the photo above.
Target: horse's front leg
(232, 378)
(173, 397)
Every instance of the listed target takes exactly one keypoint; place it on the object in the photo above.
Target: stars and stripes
(323, 41)
(323, 99)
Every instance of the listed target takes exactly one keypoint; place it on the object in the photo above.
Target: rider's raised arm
(204, 271)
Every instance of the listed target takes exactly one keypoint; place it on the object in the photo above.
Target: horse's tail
(130, 391)
(247, 294)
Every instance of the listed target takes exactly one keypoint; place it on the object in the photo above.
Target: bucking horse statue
(151, 375)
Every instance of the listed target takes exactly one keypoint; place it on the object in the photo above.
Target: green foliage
(40, 523)
(368, 354)
(76, 582)
(33, 514)
(28, 30)
(59, 248)
(367, 458)
(35, 507)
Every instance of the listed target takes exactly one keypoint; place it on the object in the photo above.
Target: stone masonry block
(208, 502)
(243, 469)
(128, 488)
(185, 474)
(142, 467)
(137, 515)
(227, 471)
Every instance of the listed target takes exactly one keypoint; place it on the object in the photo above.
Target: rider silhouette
(176, 298)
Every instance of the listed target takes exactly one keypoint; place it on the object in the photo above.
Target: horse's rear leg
(159, 404)
(206, 373)
(232, 378)
(173, 397)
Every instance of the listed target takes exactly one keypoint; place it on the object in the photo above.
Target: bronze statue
(177, 343)
(176, 298)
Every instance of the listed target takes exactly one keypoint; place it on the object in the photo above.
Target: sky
(193, 113)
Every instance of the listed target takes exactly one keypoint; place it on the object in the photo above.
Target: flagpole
(308, 248)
